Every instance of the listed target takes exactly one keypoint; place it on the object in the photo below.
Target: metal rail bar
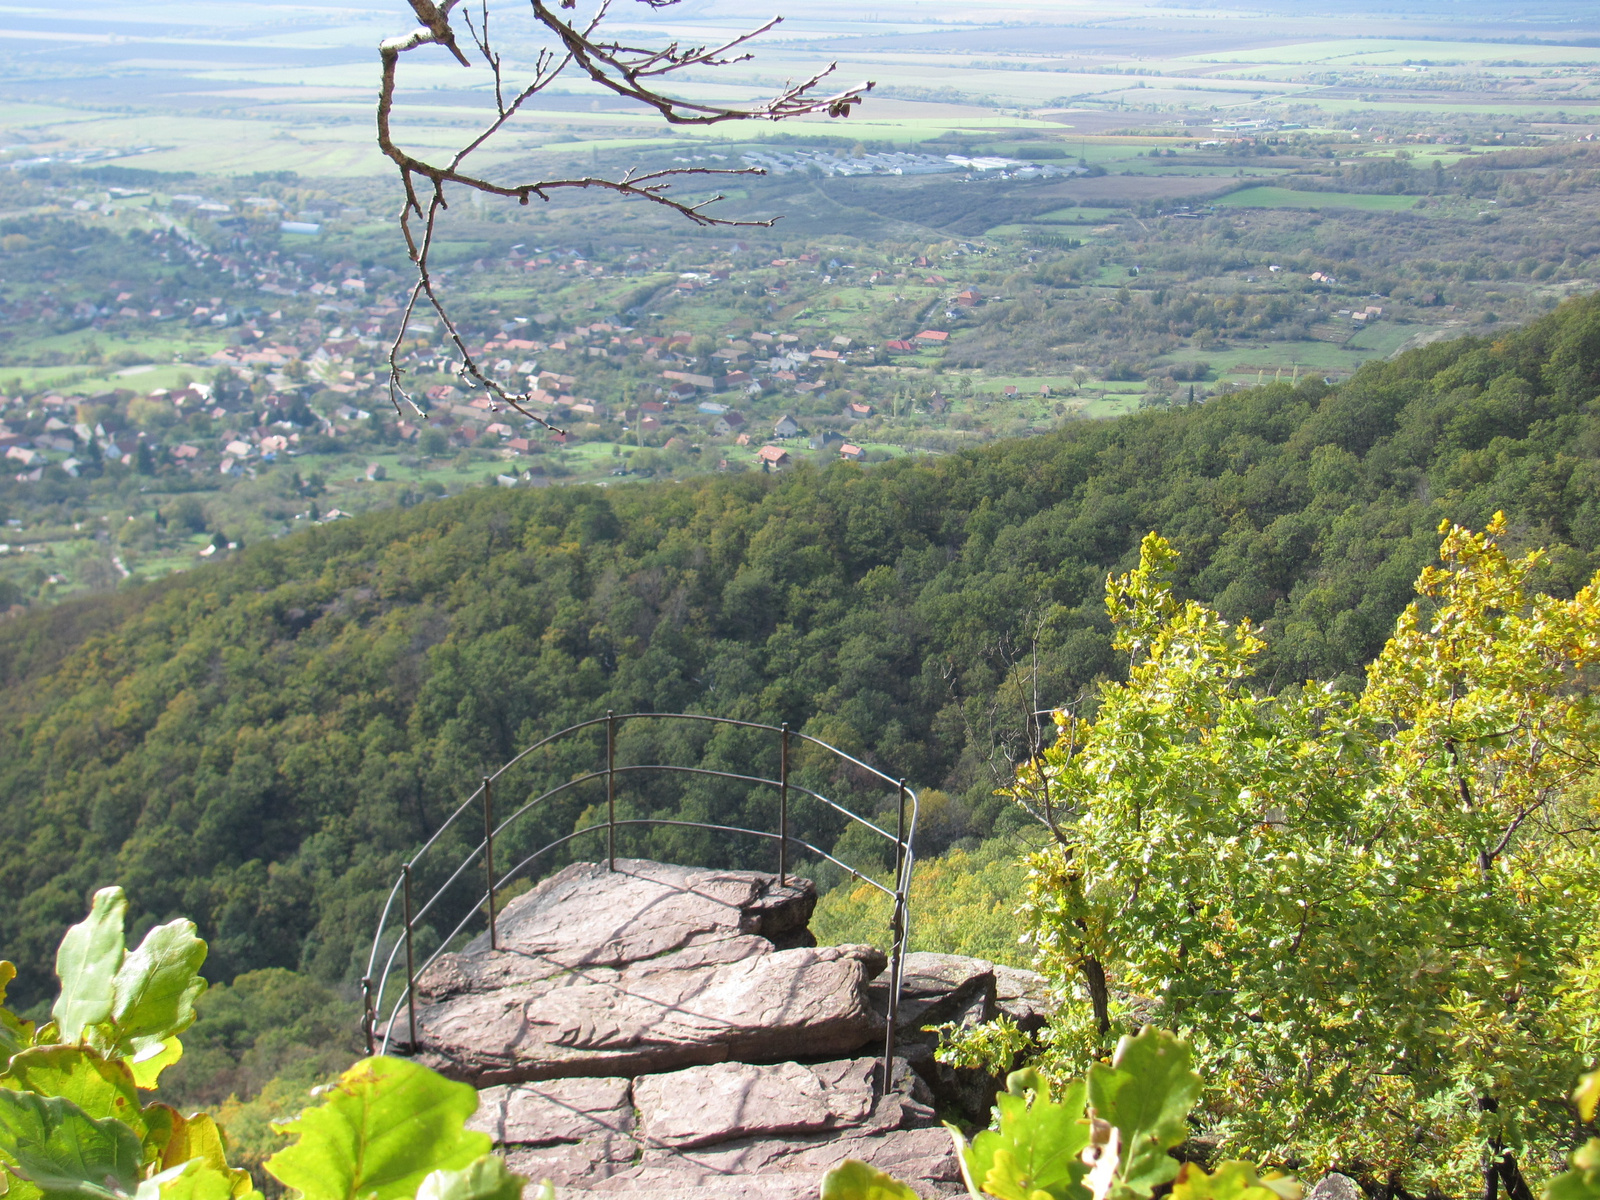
(488, 857)
(783, 809)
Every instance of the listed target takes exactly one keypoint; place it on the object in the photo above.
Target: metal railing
(387, 946)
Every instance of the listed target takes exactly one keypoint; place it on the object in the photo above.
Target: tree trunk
(1095, 976)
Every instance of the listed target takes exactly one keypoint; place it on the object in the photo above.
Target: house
(772, 456)
(186, 451)
(1044, 390)
(932, 337)
(967, 299)
(899, 346)
(682, 391)
(785, 427)
(1010, 389)
(853, 453)
(823, 440)
(829, 355)
(696, 381)
(519, 445)
(728, 422)
(650, 424)
(858, 410)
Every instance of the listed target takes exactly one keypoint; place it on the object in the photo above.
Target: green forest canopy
(258, 744)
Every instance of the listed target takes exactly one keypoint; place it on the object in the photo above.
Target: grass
(1273, 197)
(1383, 338)
(1078, 216)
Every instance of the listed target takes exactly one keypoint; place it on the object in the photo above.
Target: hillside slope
(258, 744)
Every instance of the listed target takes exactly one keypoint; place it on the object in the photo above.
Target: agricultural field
(1272, 197)
(198, 251)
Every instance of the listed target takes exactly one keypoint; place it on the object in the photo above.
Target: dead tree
(578, 44)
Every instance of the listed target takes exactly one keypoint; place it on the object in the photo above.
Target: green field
(1273, 197)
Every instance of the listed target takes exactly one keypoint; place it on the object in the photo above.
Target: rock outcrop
(672, 1033)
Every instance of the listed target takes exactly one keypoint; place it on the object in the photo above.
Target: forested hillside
(258, 744)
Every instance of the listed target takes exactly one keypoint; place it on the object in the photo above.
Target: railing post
(488, 855)
(897, 933)
(411, 962)
(366, 1012)
(783, 808)
(611, 790)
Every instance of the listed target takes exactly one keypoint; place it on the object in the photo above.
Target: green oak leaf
(486, 1178)
(1232, 1181)
(55, 1145)
(152, 1058)
(197, 1137)
(160, 1120)
(1146, 1094)
(15, 1033)
(1587, 1094)
(100, 1087)
(156, 986)
(192, 1180)
(378, 1133)
(1035, 1151)
(86, 964)
(1582, 1180)
(855, 1180)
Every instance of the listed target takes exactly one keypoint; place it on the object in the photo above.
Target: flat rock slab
(555, 1111)
(705, 1105)
(645, 969)
(710, 1131)
(786, 1168)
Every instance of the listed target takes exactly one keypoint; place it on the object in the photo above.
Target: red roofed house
(853, 453)
(967, 299)
(899, 347)
(934, 337)
(857, 409)
(772, 456)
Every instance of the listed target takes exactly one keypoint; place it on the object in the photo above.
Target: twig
(623, 69)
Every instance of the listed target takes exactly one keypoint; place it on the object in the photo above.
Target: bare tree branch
(626, 70)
